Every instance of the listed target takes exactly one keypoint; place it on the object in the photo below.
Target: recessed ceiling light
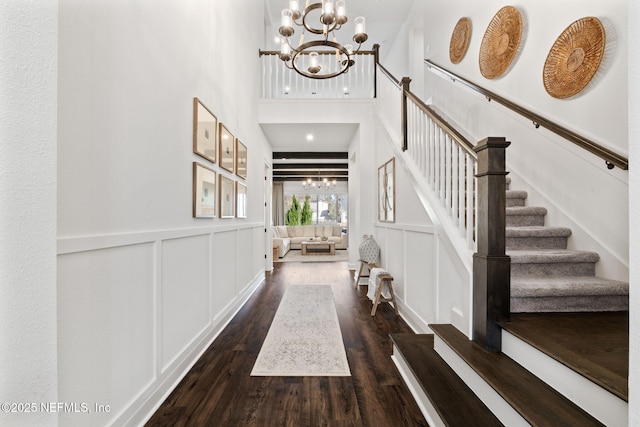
(309, 137)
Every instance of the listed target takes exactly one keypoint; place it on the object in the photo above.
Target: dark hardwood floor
(219, 391)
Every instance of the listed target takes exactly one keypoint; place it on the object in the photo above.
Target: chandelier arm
(293, 49)
(358, 49)
(286, 64)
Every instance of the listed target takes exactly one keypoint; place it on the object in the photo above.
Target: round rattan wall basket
(460, 40)
(500, 42)
(574, 58)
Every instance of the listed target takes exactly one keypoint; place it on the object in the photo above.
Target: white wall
(406, 53)
(431, 281)
(634, 208)
(28, 87)
(538, 159)
(142, 286)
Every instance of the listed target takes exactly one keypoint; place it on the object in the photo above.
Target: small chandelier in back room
(331, 16)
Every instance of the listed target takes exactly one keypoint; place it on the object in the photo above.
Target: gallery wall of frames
(219, 181)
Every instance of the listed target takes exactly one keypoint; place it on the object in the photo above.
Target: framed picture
(227, 197)
(241, 200)
(205, 131)
(204, 192)
(241, 159)
(387, 191)
(227, 149)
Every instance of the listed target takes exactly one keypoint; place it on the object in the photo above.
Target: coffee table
(318, 247)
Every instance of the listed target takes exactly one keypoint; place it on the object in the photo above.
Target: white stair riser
(601, 404)
(496, 404)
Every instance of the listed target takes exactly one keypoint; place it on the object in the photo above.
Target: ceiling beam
(315, 155)
(307, 174)
(318, 166)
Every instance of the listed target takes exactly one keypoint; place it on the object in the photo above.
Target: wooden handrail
(457, 136)
(466, 145)
(388, 74)
(611, 158)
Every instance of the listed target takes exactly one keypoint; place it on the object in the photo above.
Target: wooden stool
(388, 279)
(362, 264)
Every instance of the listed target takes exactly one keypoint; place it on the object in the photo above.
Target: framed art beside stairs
(387, 191)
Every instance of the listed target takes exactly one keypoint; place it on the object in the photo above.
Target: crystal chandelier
(332, 16)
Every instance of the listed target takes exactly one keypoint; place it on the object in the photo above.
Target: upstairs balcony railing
(280, 82)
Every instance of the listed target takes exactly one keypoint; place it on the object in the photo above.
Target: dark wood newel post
(491, 266)
(404, 83)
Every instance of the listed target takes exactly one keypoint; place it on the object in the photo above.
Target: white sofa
(287, 237)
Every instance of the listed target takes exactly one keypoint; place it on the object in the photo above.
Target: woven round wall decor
(500, 42)
(574, 58)
(460, 40)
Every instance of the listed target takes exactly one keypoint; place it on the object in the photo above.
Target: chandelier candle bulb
(285, 51)
(286, 23)
(328, 15)
(360, 34)
(314, 67)
(341, 12)
(295, 9)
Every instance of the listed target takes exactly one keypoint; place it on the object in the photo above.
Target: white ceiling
(383, 19)
(326, 136)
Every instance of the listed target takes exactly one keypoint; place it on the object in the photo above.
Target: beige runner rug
(304, 338)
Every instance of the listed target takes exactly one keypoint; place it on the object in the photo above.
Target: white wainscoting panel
(421, 275)
(224, 269)
(245, 262)
(395, 260)
(184, 294)
(136, 310)
(454, 288)
(105, 329)
(410, 254)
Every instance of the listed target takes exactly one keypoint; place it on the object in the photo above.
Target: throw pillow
(282, 231)
(275, 232)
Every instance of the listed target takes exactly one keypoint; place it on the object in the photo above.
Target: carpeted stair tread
(538, 231)
(542, 256)
(526, 210)
(537, 237)
(516, 194)
(537, 402)
(566, 286)
(516, 198)
(443, 387)
(524, 216)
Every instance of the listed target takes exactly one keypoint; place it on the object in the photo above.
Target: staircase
(564, 352)
(545, 275)
(564, 359)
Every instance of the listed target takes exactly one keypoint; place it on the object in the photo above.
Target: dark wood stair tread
(536, 401)
(456, 404)
(596, 345)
